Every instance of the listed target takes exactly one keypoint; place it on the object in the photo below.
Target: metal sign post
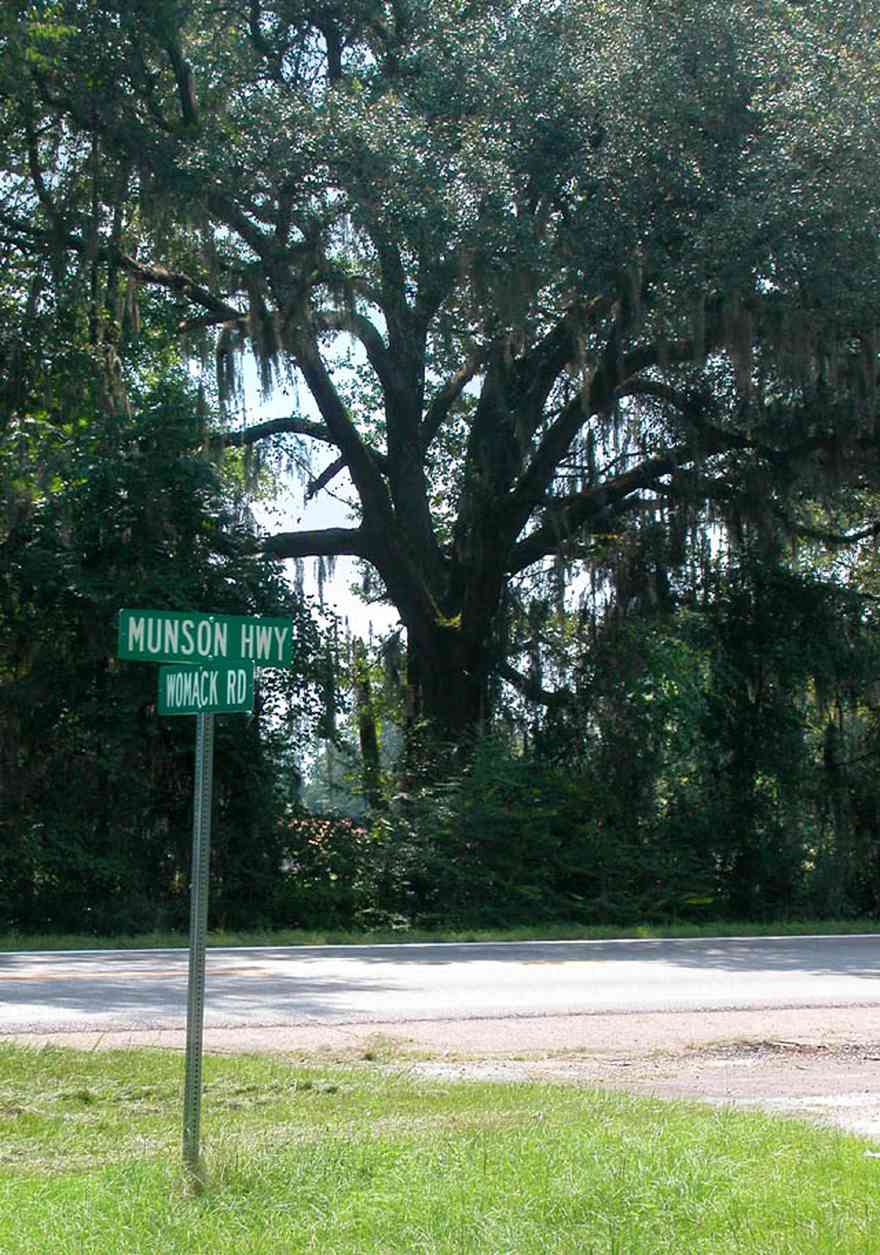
(198, 927)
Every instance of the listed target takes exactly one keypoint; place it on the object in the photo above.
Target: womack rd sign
(187, 636)
(215, 688)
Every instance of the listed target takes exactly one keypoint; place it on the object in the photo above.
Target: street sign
(216, 655)
(213, 688)
(192, 637)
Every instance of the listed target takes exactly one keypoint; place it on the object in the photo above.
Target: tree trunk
(371, 767)
(447, 673)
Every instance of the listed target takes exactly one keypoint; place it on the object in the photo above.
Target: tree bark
(368, 736)
(447, 673)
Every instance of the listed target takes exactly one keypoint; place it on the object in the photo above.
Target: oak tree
(590, 264)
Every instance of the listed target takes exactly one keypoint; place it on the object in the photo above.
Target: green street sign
(213, 688)
(191, 637)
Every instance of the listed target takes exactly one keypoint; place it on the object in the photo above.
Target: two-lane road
(336, 985)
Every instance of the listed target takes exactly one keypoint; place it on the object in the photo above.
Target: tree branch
(615, 373)
(174, 280)
(363, 330)
(445, 397)
(36, 174)
(183, 76)
(533, 691)
(565, 516)
(837, 540)
(276, 427)
(328, 474)
(539, 370)
(177, 281)
(535, 480)
(361, 463)
(320, 543)
(658, 390)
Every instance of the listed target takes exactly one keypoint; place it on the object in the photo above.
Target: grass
(367, 1160)
(551, 932)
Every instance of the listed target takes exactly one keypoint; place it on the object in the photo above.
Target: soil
(831, 1084)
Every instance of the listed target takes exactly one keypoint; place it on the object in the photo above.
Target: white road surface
(328, 985)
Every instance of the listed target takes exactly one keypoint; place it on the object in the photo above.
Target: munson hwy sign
(189, 636)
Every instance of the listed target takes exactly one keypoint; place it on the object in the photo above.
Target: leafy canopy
(602, 261)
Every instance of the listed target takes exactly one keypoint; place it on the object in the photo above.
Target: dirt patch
(836, 1084)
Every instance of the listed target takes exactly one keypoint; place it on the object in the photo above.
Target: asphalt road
(340, 985)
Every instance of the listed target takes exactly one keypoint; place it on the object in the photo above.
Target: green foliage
(375, 1158)
(545, 273)
(327, 876)
(581, 295)
(503, 839)
(720, 761)
(95, 797)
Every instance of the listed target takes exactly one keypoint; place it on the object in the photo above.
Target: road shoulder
(816, 1063)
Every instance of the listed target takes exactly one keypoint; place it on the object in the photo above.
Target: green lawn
(366, 1160)
(552, 932)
